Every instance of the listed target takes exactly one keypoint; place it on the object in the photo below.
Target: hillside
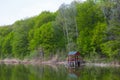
(93, 28)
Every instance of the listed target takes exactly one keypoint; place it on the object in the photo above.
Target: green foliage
(111, 48)
(42, 35)
(7, 45)
(98, 36)
(43, 18)
(91, 27)
(34, 33)
(66, 20)
(112, 14)
(5, 38)
(88, 16)
(20, 40)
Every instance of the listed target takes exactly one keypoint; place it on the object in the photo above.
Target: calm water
(35, 72)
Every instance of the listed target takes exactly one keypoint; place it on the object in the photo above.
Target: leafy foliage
(91, 27)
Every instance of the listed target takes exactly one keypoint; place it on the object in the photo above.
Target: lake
(47, 72)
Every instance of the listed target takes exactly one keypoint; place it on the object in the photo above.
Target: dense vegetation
(91, 27)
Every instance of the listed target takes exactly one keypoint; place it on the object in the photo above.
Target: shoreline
(54, 62)
(33, 61)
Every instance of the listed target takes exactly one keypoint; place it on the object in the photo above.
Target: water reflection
(52, 72)
(73, 73)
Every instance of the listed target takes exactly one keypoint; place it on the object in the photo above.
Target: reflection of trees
(99, 73)
(48, 72)
(73, 73)
(13, 72)
(36, 72)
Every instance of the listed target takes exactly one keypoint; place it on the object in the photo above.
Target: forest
(91, 27)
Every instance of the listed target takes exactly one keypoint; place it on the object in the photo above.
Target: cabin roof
(72, 53)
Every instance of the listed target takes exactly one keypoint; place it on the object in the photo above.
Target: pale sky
(12, 10)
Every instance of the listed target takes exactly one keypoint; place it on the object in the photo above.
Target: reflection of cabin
(74, 73)
(74, 59)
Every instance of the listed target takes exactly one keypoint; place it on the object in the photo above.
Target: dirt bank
(55, 61)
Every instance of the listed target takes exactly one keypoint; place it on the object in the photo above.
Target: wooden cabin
(74, 59)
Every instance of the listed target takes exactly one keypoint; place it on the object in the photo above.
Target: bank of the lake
(55, 62)
(32, 61)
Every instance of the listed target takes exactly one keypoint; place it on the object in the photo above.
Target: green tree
(20, 37)
(111, 11)
(98, 37)
(7, 45)
(33, 37)
(4, 37)
(88, 16)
